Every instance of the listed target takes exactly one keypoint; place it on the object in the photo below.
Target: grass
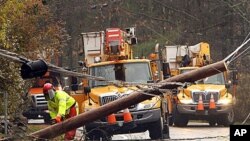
(36, 127)
(30, 129)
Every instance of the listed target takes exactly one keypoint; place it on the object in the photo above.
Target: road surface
(193, 132)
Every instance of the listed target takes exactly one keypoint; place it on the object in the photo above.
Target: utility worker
(61, 106)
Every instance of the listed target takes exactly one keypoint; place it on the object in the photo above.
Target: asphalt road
(193, 132)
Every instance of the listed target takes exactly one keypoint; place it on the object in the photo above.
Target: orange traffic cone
(212, 107)
(127, 115)
(111, 119)
(212, 103)
(200, 106)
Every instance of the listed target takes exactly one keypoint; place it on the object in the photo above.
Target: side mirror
(87, 90)
(228, 85)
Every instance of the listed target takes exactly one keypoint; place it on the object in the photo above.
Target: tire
(180, 120)
(47, 119)
(171, 120)
(97, 134)
(212, 121)
(166, 131)
(156, 129)
(226, 119)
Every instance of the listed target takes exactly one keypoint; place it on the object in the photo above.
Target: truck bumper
(191, 109)
(34, 113)
(141, 120)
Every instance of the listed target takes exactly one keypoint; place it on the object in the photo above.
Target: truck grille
(205, 96)
(39, 101)
(109, 98)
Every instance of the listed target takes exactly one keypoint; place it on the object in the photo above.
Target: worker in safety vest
(61, 106)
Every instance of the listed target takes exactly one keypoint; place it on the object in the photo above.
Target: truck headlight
(186, 101)
(144, 106)
(224, 101)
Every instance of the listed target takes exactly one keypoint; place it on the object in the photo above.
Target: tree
(27, 28)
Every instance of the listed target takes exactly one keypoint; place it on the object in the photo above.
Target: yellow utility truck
(207, 99)
(109, 54)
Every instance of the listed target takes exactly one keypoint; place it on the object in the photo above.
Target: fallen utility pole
(134, 98)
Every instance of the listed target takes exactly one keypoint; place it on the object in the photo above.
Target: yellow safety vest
(60, 104)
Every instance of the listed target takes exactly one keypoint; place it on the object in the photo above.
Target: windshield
(214, 79)
(128, 72)
(114, 43)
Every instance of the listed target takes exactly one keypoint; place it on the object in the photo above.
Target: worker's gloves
(58, 118)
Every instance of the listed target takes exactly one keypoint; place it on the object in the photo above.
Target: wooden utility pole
(134, 98)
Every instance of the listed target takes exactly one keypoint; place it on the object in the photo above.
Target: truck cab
(213, 88)
(146, 115)
(195, 99)
(109, 55)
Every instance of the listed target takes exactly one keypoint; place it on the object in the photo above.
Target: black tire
(97, 135)
(47, 119)
(180, 120)
(226, 119)
(212, 121)
(166, 131)
(156, 129)
(170, 120)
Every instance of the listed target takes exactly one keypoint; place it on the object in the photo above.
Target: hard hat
(48, 91)
(46, 87)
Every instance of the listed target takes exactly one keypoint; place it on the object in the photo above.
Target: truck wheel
(156, 129)
(170, 120)
(47, 119)
(97, 134)
(212, 121)
(165, 131)
(180, 120)
(226, 119)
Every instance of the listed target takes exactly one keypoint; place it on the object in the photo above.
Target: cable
(246, 119)
(20, 59)
(246, 38)
(54, 68)
(16, 59)
(239, 55)
(238, 48)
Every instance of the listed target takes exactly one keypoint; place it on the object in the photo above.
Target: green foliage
(12, 84)
(27, 28)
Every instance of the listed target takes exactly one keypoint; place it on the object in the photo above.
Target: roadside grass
(30, 129)
(36, 127)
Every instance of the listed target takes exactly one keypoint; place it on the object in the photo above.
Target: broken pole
(134, 98)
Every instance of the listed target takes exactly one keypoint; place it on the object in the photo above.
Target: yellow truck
(207, 99)
(108, 54)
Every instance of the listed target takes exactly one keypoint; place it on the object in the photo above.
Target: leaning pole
(134, 98)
